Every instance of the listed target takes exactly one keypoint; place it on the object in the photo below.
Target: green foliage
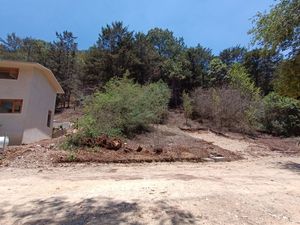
(187, 106)
(288, 80)
(63, 63)
(282, 115)
(124, 108)
(72, 157)
(240, 79)
(233, 55)
(217, 72)
(110, 57)
(164, 41)
(199, 59)
(279, 29)
(261, 66)
(60, 56)
(23, 49)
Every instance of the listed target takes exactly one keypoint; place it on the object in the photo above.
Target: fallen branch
(192, 129)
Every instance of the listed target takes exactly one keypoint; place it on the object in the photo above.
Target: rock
(75, 131)
(218, 158)
(208, 160)
(158, 150)
(139, 149)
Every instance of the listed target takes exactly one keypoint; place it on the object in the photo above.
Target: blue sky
(217, 24)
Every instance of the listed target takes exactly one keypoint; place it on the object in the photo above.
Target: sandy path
(234, 145)
(223, 142)
(263, 191)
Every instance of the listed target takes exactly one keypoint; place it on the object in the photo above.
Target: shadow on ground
(60, 211)
(292, 166)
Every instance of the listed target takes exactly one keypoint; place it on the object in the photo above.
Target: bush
(235, 107)
(225, 107)
(240, 80)
(124, 108)
(281, 115)
(187, 106)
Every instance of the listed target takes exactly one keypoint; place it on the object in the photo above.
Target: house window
(49, 118)
(11, 105)
(9, 73)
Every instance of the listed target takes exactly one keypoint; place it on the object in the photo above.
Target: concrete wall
(38, 97)
(42, 99)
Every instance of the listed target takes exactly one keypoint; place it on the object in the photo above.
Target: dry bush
(225, 108)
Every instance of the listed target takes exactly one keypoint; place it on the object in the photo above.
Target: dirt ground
(260, 186)
(260, 191)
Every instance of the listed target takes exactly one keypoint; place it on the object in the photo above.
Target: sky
(217, 24)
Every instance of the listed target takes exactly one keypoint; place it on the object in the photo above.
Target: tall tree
(288, 78)
(173, 61)
(233, 55)
(217, 72)
(146, 66)
(111, 56)
(261, 65)
(199, 58)
(116, 43)
(279, 29)
(10, 47)
(24, 49)
(63, 63)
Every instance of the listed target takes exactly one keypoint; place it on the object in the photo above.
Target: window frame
(14, 105)
(13, 73)
(49, 118)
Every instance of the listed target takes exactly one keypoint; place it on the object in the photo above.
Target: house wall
(38, 97)
(12, 124)
(41, 100)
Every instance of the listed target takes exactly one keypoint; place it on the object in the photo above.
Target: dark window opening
(11, 105)
(49, 118)
(9, 73)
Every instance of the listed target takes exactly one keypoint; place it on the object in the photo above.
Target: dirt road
(261, 191)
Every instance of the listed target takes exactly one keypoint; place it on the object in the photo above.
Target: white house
(27, 101)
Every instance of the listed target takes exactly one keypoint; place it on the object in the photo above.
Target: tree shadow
(292, 166)
(60, 211)
(174, 215)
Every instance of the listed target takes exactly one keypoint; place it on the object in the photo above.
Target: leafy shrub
(124, 108)
(281, 115)
(236, 106)
(224, 107)
(240, 80)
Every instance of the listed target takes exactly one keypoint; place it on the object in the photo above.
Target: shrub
(224, 107)
(236, 107)
(281, 115)
(187, 106)
(240, 80)
(124, 108)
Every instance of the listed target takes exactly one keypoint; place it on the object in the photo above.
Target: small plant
(72, 157)
(281, 115)
(187, 106)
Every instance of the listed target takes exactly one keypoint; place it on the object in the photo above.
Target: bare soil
(164, 143)
(261, 191)
(262, 187)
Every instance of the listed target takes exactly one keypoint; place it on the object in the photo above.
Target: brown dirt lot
(261, 191)
(260, 184)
